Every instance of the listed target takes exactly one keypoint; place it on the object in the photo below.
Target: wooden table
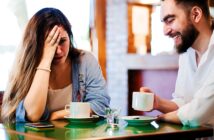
(99, 130)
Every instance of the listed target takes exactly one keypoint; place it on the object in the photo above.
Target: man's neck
(201, 43)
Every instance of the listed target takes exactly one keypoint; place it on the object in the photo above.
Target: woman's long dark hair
(29, 57)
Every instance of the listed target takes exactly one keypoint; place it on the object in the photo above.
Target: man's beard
(188, 37)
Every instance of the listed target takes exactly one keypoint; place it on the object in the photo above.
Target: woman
(50, 73)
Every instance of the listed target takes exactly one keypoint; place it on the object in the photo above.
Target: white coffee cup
(78, 109)
(142, 101)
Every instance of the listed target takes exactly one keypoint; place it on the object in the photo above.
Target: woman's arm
(58, 114)
(61, 113)
(95, 85)
(35, 100)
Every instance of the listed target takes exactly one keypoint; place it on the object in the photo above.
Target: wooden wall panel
(100, 25)
(212, 3)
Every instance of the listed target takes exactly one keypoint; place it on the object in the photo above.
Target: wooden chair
(1, 98)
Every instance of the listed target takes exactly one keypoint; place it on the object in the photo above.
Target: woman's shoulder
(86, 56)
(87, 61)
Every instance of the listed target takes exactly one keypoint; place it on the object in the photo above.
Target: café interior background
(14, 15)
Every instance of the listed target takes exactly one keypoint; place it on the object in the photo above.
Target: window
(160, 43)
(139, 28)
(20, 11)
(146, 31)
(10, 37)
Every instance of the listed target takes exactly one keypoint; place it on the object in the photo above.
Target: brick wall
(116, 45)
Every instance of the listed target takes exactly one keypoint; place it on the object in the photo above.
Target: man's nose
(166, 29)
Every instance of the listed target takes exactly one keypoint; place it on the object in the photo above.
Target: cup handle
(67, 107)
(67, 135)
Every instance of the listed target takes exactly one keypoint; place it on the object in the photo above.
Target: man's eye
(169, 20)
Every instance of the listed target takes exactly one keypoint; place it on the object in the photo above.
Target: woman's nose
(58, 49)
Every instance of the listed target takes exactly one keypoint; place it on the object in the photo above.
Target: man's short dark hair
(188, 4)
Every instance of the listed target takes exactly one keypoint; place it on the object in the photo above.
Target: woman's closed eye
(62, 40)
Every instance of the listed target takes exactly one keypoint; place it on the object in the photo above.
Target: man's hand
(156, 98)
(161, 104)
(170, 117)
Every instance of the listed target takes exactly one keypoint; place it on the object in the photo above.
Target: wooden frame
(131, 35)
(211, 3)
(100, 25)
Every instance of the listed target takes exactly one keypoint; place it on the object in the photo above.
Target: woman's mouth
(57, 58)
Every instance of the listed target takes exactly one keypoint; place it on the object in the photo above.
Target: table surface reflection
(100, 130)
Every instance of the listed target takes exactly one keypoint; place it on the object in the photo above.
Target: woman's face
(62, 49)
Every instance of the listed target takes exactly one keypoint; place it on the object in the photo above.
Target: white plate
(93, 118)
(138, 120)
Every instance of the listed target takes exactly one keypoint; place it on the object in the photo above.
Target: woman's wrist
(44, 64)
(44, 69)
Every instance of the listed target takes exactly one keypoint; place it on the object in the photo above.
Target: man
(188, 22)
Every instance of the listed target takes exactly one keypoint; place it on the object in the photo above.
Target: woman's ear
(196, 14)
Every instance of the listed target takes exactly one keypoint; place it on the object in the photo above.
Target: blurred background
(124, 35)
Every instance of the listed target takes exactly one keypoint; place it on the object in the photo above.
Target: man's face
(177, 25)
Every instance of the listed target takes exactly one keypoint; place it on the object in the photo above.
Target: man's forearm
(170, 117)
(166, 106)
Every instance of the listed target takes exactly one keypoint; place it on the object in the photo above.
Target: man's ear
(196, 14)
